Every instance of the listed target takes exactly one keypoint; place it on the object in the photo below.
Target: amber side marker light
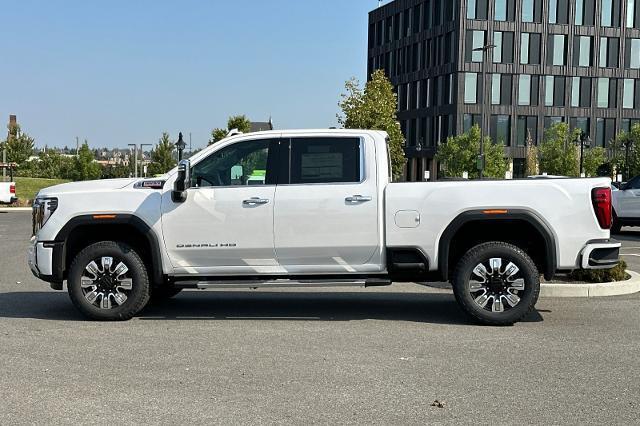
(104, 216)
(495, 211)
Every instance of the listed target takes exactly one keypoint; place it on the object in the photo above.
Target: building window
(504, 10)
(495, 89)
(476, 9)
(531, 10)
(530, 48)
(550, 121)
(603, 93)
(609, 52)
(527, 127)
(554, 91)
(581, 123)
(627, 124)
(582, 47)
(501, 129)
(585, 12)
(524, 90)
(629, 93)
(475, 40)
(605, 131)
(631, 11)
(558, 11)
(470, 120)
(471, 88)
(610, 14)
(632, 57)
(503, 52)
(557, 52)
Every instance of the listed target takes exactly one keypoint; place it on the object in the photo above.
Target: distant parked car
(8, 192)
(547, 177)
(626, 204)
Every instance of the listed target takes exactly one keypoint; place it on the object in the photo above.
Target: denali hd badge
(149, 184)
(205, 245)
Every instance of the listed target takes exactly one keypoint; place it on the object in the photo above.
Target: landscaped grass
(27, 188)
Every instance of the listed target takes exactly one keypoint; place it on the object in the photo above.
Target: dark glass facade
(575, 61)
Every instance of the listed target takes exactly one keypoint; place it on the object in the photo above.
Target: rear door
(326, 214)
(629, 199)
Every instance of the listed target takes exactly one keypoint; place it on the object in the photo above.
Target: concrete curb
(15, 209)
(617, 288)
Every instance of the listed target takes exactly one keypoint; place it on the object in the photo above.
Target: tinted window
(243, 163)
(325, 160)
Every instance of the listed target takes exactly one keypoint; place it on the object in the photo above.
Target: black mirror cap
(180, 186)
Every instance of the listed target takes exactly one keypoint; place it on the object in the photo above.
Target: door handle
(254, 201)
(358, 199)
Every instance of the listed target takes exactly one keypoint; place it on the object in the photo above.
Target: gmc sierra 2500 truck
(326, 213)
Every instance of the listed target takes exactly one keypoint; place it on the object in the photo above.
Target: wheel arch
(475, 226)
(83, 230)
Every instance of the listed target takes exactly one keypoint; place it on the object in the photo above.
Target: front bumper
(44, 260)
(600, 254)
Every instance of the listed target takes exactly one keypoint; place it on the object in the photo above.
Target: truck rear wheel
(496, 283)
(108, 281)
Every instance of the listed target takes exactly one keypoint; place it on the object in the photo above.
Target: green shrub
(618, 273)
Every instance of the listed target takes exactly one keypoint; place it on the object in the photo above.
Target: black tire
(163, 292)
(527, 271)
(137, 297)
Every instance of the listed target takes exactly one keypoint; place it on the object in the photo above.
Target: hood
(87, 186)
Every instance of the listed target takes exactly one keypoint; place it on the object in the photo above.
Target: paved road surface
(355, 356)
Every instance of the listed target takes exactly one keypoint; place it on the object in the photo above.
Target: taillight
(601, 199)
(12, 189)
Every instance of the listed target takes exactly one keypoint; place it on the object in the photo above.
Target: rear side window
(325, 160)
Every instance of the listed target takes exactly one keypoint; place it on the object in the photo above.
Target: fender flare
(510, 214)
(140, 225)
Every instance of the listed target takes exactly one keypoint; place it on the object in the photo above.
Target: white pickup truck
(8, 192)
(326, 213)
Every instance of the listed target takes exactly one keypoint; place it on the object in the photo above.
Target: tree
(558, 152)
(632, 140)
(84, 165)
(239, 122)
(374, 108)
(19, 146)
(460, 153)
(593, 159)
(162, 159)
(532, 156)
(217, 135)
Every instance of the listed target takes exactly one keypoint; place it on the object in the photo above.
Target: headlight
(43, 208)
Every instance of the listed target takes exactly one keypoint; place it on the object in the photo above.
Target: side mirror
(183, 181)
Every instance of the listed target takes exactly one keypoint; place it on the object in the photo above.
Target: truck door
(226, 223)
(326, 214)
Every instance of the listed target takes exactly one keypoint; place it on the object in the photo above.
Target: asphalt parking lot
(352, 356)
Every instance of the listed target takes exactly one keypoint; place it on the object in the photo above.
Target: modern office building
(576, 61)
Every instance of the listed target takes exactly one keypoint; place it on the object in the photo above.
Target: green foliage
(593, 159)
(84, 165)
(19, 146)
(617, 273)
(460, 153)
(27, 187)
(217, 135)
(618, 148)
(558, 153)
(116, 171)
(240, 122)
(162, 159)
(374, 108)
(532, 157)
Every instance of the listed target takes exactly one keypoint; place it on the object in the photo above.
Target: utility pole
(77, 146)
(190, 151)
(142, 155)
(485, 53)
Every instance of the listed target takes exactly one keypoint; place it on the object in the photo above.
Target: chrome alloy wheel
(106, 286)
(496, 288)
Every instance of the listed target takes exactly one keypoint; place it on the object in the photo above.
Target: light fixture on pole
(485, 52)
(585, 141)
(135, 156)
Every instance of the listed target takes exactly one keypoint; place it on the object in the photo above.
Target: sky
(118, 72)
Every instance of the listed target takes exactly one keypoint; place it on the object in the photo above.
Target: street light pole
(485, 53)
(142, 155)
(135, 156)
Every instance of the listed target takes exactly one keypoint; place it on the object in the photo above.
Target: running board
(282, 283)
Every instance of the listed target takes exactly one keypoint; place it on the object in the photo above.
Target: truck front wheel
(108, 281)
(496, 283)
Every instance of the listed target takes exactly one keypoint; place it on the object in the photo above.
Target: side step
(282, 283)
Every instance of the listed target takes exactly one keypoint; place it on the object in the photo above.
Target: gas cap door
(407, 219)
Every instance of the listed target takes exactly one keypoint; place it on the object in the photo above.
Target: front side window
(240, 164)
(325, 160)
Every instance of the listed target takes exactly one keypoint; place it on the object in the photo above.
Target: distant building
(261, 126)
(576, 61)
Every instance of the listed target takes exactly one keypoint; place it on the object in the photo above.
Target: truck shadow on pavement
(260, 306)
